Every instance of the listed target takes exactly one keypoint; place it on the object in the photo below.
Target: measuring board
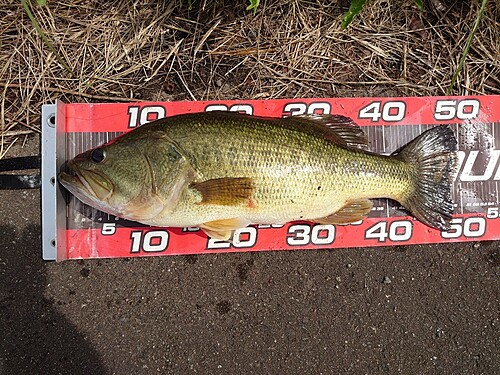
(72, 230)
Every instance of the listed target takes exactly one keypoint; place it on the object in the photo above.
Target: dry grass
(125, 50)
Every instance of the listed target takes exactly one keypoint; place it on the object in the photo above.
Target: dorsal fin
(338, 129)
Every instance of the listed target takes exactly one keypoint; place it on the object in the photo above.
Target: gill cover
(170, 173)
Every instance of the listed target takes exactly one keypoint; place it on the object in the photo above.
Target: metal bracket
(49, 182)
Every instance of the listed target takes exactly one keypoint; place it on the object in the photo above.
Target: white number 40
(388, 111)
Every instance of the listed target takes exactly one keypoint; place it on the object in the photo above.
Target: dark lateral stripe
(16, 182)
(20, 163)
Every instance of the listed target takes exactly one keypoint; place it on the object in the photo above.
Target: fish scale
(223, 170)
(286, 164)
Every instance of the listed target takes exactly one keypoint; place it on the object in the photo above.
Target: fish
(221, 171)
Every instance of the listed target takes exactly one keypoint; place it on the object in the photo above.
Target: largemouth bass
(221, 171)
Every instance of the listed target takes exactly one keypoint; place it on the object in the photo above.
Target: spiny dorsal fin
(338, 129)
(351, 212)
(227, 191)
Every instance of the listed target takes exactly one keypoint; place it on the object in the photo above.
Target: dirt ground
(413, 309)
(430, 309)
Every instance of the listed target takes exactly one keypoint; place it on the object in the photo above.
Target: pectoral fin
(223, 229)
(227, 191)
(351, 212)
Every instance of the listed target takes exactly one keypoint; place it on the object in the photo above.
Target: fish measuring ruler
(72, 230)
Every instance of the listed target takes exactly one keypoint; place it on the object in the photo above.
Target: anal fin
(223, 229)
(351, 212)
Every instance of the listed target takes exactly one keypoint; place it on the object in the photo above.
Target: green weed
(42, 34)
(253, 5)
(467, 46)
(356, 7)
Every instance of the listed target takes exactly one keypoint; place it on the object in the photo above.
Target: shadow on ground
(35, 339)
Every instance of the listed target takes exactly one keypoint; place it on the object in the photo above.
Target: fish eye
(173, 153)
(98, 155)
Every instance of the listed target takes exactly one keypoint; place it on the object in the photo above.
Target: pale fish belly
(190, 213)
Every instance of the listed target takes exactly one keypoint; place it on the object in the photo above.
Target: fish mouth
(90, 184)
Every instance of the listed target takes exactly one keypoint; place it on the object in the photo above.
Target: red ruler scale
(389, 124)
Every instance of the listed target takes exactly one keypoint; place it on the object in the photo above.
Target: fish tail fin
(433, 155)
